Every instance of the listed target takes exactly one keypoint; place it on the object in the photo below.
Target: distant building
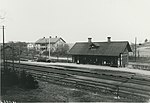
(111, 53)
(43, 43)
(143, 50)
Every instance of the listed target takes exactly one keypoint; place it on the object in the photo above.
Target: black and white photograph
(74, 51)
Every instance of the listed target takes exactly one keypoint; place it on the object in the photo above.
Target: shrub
(11, 77)
(30, 82)
(22, 79)
(27, 81)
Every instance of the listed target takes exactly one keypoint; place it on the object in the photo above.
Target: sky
(75, 20)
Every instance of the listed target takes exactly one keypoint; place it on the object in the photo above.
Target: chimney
(109, 39)
(55, 36)
(89, 40)
(49, 36)
(43, 37)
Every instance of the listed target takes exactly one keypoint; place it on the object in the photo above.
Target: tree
(15, 50)
(62, 50)
(31, 53)
(27, 81)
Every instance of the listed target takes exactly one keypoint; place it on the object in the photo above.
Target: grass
(53, 93)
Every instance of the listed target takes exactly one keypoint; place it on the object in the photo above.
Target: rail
(94, 81)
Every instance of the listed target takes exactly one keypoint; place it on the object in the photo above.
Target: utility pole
(49, 48)
(3, 48)
(13, 54)
(135, 48)
(19, 56)
(138, 54)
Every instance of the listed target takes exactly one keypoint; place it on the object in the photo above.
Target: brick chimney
(109, 39)
(89, 40)
(55, 36)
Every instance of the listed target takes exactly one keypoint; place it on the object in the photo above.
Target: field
(144, 51)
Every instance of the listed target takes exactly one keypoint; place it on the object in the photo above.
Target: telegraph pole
(13, 54)
(19, 56)
(3, 47)
(49, 48)
(135, 48)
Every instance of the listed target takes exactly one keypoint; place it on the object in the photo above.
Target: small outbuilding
(110, 53)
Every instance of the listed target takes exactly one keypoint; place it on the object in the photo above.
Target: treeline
(15, 51)
(11, 77)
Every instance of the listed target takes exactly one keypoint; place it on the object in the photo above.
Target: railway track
(117, 83)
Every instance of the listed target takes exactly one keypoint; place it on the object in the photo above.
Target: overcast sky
(76, 20)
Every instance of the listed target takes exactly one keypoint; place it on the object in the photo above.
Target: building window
(93, 47)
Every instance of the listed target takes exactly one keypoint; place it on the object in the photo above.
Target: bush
(27, 81)
(22, 79)
(11, 77)
(30, 82)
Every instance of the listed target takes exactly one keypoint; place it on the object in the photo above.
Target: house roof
(100, 48)
(46, 40)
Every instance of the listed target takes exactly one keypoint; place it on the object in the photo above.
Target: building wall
(37, 46)
(98, 60)
(52, 47)
(55, 45)
(123, 58)
(121, 61)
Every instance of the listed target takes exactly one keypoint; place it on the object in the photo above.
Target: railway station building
(110, 53)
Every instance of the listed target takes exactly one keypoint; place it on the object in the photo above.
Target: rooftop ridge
(105, 42)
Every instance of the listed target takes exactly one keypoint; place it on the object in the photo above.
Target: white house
(42, 44)
(30, 45)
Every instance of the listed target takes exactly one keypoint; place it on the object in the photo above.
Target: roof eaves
(62, 40)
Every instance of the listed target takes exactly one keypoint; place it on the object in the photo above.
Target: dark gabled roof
(46, 40)
(100, 48)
